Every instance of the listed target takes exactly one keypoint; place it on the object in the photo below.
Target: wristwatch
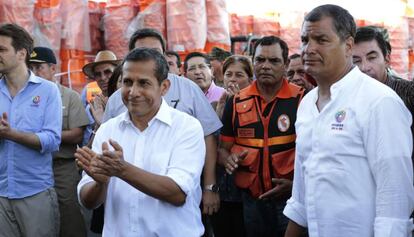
(212, 188)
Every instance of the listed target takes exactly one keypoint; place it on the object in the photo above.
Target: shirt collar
(33, 78)
(345, 82)
(283, 93)
(163, 115)
(211, 88)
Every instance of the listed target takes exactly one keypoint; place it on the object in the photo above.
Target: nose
(134, 91)
(308, 47)
(266, 65)
(364, 66)
(297, 77)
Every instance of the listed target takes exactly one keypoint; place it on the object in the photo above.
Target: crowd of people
(315, 144)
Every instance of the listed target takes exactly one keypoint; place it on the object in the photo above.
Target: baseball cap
(42, 55)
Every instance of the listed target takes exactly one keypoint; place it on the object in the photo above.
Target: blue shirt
(183, 95)
(36, 109)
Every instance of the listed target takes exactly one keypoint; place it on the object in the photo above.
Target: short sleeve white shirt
(172, 145)
(353, 170)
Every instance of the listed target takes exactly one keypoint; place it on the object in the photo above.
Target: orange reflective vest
(267, 132)
(92, 89)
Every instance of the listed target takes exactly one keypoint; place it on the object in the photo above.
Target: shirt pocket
(246, 112)
(31, 119)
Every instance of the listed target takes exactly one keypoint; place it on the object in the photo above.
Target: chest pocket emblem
(283, 123)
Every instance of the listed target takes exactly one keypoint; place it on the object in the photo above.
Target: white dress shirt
(172, 145)
(353, 171)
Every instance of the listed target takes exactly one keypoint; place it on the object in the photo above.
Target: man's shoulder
(181, 82)
(113, 122)
(69, 92)
(183, 119)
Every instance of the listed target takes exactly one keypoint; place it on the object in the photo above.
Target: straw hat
(104, 56)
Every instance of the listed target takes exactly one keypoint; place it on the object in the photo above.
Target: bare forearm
(93, 194)
(209, 170)
(27, 139)
(294, 230)
(72, 136)
(157, 186)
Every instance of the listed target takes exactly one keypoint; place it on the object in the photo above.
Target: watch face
(215, 188)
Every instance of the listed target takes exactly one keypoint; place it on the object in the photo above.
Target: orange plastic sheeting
(116, 20)
(19, 12)
(265, 26)
(49, 26)
(399, 35)
(143, 4)
(120, 3)
(72, 63)
(96, 12)
(399, 62)
(151, 15)
(234, 25)
(246, 25)
(75, 32)
(47, 3)
(411, 47)
(292, 38)
(218, 32)
(186, 25)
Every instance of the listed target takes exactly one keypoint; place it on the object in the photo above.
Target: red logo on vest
(283, 122)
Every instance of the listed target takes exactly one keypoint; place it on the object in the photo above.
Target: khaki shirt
(74, 116)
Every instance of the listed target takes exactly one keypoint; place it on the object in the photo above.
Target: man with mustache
(258, 139)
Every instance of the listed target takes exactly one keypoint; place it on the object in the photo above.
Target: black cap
(219, 54)
(42, 55)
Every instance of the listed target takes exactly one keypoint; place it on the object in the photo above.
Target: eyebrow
(372, 52)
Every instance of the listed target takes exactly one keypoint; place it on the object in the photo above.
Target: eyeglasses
(106, 72)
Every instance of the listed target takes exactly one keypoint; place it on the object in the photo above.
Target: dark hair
(113, 80)
(195, 54)
(173, 53)
(146, 54)
(146, 33)
(343, 21)
(369, 33)
(271, 40)
(244, 61)
(21, 39)
(293, 56)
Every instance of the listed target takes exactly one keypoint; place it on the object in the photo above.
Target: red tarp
(186, 25)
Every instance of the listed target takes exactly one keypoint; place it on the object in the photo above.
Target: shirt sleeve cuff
(85, 180)
(296, 212)
(182, 179)
(46, 143)
(393, 227)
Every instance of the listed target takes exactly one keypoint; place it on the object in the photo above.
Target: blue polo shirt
(37, 108)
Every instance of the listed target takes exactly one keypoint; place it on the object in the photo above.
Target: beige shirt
(74, 116)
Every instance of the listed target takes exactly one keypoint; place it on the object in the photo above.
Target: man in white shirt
(353, 171)
(148, 175)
